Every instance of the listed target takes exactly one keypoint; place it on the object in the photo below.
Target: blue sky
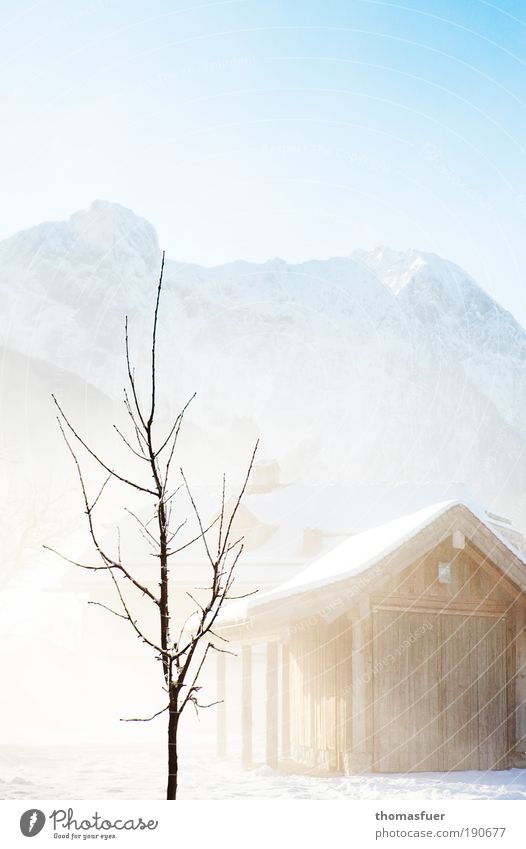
(257, 128)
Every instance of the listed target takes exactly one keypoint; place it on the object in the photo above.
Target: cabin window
(444, 573)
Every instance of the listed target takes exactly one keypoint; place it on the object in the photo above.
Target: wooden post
(272, 705)
(221, 708)
(344, 692)
(285, 700)
(519, 681)
(360, 759)
(246, 706)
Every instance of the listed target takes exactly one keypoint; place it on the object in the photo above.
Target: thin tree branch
(107, 560)
(198, 517)
(196, 676)
(154, 343)
(76, 562)
(178, 529)
(140, 436)
(240, 495)
(129, 445)
(148, 718)
(192, 541)
(176, 427)
(200, 606)
(109, 609)
(222, 516)
(174, 493)
(131, 376)
(133, 621)
(104, 465)
(103, 487)
(225, 651)
(209, 705)
(142, 525)
(243, 595)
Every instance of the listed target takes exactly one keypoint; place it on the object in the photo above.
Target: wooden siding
(473, 578)
(440, 691)
(406, 705)
(320, 685)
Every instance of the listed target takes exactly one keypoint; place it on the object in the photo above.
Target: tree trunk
(171, 792)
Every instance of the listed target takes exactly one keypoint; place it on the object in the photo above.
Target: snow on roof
(360, 553)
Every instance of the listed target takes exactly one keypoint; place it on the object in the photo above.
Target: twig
(176, 426)
(101, 462)
(222, 516)
(154, 340)
(132, 621)
(103, 487)
(148, 718)
(129, 445)
(241, 494)
(198, 517)
(106, 559)
(131, 376)
(109, 609)
(192, 541)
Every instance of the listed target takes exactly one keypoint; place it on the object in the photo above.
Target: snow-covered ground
(105, 772)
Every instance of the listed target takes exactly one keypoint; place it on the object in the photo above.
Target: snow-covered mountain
(381, 365)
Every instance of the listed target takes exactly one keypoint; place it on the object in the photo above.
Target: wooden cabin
(402, 650)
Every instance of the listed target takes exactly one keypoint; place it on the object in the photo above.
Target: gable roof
(350, 563)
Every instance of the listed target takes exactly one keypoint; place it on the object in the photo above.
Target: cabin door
(439, 691)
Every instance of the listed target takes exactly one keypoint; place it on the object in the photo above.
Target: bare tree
(182, 655)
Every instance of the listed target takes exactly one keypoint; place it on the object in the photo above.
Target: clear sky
(260, 128)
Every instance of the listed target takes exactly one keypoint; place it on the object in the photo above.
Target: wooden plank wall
(473, 578)
(517, 695)
(442, 702)
(320, 706)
